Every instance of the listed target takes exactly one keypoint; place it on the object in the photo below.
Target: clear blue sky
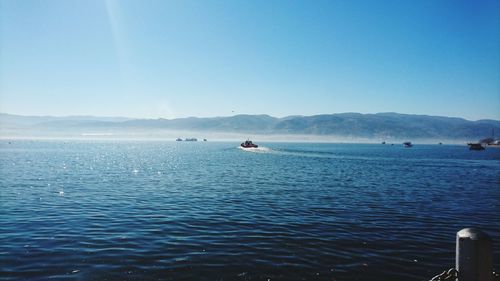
(202, 58)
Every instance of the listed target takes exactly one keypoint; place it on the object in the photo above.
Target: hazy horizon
(349, 127)
(232, 115)
(171, 59)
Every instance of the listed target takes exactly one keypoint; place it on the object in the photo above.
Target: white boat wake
(260, 149)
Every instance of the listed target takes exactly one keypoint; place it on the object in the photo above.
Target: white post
(474, 255)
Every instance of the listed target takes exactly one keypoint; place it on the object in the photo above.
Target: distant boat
(407, 144)
(178, 139)
(248, 144)
(495, 143)
(191, 139)
(204, 139)
(440, 143)
(383, 142)
(491, 141)
(475, 146)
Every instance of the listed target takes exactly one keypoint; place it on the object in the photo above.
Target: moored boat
(475, 146)
(407, 144)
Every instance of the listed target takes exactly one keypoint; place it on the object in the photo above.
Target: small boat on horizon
(475, 146)
(493, 144)
(407, 144)
(248, 144)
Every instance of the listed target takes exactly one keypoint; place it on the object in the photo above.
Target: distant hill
(380, 126)
(11, 120)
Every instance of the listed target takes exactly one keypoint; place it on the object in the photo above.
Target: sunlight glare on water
(120, 210)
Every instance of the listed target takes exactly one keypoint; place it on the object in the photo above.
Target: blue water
(103, 210)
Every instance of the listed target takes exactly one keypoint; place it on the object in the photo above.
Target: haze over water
(131, 210)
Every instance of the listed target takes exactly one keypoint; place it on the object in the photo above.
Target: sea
(166, 210)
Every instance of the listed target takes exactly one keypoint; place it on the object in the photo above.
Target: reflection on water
(210, 211)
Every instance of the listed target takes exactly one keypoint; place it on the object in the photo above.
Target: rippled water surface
(97, 210)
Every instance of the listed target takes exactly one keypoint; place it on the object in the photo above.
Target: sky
(205, 58)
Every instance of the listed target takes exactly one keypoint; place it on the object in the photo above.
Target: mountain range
(379, 126)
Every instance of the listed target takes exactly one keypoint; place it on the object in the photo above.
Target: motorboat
(475, 146)
(248, 144)
(407, 144)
